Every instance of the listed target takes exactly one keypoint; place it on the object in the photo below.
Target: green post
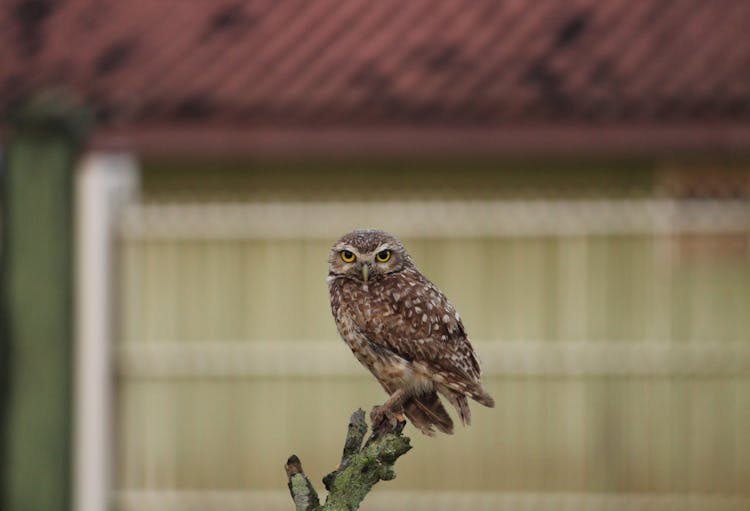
(36, 294)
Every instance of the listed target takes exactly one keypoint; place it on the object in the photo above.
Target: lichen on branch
(361, 467)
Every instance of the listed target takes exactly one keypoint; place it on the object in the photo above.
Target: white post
(104, 184)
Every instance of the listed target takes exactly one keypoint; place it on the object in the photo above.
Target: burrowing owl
(403, 329)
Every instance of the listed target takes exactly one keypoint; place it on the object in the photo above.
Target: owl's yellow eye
(383, 256)
(347, 256)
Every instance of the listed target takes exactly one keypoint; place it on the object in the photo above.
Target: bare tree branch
(304, 495)
(361, 468)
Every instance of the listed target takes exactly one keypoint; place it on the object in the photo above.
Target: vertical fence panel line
(105, 183)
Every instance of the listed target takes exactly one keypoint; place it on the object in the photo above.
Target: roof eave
(548, 140)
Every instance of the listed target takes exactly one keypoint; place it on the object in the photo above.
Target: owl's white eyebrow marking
(384, 246)
(345, 246)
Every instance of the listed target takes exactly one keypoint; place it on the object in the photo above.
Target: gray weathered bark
(362, 466)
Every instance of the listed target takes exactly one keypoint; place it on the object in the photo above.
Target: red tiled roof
(481, 64)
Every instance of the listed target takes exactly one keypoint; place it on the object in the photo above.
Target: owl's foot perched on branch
(389, 417)
(361, 467)
(385, 420)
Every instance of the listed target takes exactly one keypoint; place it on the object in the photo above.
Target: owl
(404, 330)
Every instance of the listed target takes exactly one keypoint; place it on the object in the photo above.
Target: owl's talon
(383, 418)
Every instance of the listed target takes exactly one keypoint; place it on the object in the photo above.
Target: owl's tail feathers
(482, 397)
(426, 411)
(460, 403)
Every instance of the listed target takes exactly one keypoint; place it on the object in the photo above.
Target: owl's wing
(417, 322)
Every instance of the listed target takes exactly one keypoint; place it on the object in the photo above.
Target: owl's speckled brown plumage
(403, 329)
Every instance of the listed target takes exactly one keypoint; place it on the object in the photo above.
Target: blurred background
(574, 175)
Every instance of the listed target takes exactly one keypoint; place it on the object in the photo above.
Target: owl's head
(367, 255)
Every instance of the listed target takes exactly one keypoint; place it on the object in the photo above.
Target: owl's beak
(365, 273)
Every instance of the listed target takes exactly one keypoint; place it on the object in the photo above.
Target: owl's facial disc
(367, 256)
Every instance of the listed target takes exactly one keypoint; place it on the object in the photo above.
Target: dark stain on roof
(30, 15)
(572, 30)
(444, 58)
(195, 107)
(226, 17)
(232, 18)
(114, 56)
